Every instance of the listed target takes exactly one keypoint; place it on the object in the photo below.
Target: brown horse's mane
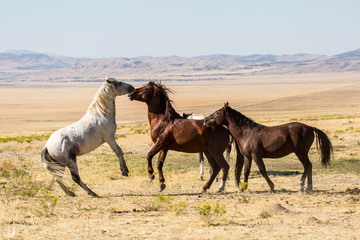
(241, 119)
(170, 113)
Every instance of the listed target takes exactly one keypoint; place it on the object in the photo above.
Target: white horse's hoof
(219, 190)
(201, 178)
(201, 191)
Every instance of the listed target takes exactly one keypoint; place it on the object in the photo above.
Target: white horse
(97, 126)
(201, 155)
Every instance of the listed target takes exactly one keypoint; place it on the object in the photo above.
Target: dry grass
(131, 208)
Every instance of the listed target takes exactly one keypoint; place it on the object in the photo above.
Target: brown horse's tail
(239, 164)
(325, 145)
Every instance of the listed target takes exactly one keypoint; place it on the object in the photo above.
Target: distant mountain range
(27, 66)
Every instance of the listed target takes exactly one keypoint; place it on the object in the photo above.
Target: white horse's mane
(100, 103)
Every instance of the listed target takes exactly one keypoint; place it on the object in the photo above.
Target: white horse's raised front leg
(119, 153)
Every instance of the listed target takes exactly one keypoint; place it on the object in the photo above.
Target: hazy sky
(131, 28)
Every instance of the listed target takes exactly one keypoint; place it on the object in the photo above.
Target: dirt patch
(278, 209)
(313, 220)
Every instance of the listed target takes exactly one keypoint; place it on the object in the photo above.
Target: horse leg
(65, 189)
(227, 157)
(76, 177)
(260, 163)
(304, 159)
(247, 168)
(119, 153)
(153, 151)
(238, 167)
(215, 170)
(59, 168)
(51, 184)
(221, 162)
(161, 159)
(201, 161)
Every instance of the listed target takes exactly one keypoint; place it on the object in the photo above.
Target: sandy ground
(130, 208)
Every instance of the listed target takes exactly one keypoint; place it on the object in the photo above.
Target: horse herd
(172, 131)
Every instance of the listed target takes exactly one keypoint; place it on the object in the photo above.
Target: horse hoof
(201, 178)
(219, 190)
(71, 194)
(272, 191)
(201, 191)
(151, 178)
(162, 187)
(125, 174)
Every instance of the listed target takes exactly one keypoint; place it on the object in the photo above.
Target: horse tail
(325, 145)
(239, 164)
(55, 168)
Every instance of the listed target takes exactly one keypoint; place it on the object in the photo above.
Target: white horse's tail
(55, 168)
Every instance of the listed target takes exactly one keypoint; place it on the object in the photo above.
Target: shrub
(210, 214)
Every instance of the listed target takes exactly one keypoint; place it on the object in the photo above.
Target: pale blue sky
(131, 28)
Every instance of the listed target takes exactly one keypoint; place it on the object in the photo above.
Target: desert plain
(132, 208)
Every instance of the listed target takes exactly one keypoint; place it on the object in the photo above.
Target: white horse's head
(116, 88)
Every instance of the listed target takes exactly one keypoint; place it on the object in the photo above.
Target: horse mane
(241, 119)
(101, 101)
(170, 113)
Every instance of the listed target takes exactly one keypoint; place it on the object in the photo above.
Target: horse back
(190, 135)
(281, 140)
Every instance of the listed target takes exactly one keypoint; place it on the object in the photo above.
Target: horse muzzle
(208, 122)
(131, 89)
(132, 95)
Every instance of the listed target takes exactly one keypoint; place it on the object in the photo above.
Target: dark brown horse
(171, 131)
(257, 141)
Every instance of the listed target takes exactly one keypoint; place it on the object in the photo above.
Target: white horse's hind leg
(221, 187)
(119, 153)
(51, 184)
(65, 189)
(76, 177)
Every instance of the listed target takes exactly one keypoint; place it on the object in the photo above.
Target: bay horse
(97, 126)
(171, 131)
(257, 141)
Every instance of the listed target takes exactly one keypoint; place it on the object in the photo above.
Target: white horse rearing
(97, 126)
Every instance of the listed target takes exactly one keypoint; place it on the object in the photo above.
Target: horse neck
(156, 109)
(237, 122)
(103, 104)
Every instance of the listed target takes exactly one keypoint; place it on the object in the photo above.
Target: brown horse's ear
(226, 104)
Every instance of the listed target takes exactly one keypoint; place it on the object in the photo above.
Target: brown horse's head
(155, 95)
(143, 94)
(218, 117)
